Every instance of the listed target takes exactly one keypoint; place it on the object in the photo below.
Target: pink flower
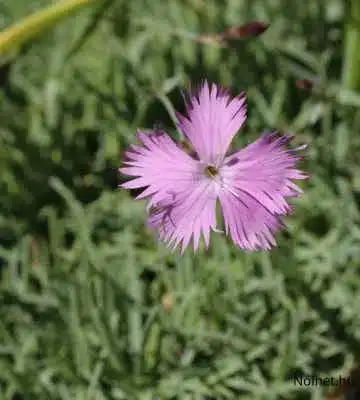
(252, 185)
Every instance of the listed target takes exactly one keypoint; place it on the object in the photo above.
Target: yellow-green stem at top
(351, 61)
(18, 34)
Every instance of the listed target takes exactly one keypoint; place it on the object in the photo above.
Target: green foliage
(92, 306)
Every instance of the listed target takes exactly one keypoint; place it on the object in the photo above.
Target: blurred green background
(92, 306)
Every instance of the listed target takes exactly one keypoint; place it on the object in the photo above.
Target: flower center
(211, 171)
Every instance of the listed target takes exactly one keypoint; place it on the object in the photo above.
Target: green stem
(351, 66)
(18, 34)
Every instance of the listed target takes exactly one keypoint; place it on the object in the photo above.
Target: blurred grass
(30, 27)
(92, 306)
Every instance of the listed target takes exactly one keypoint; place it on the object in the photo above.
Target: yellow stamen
(211, 171)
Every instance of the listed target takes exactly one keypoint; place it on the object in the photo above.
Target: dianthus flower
(252, 185)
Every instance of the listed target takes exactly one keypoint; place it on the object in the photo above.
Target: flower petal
(256, 183)
(251, 225)
(182, 204)
(212, 120)
(191, 213)
(160, 166)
